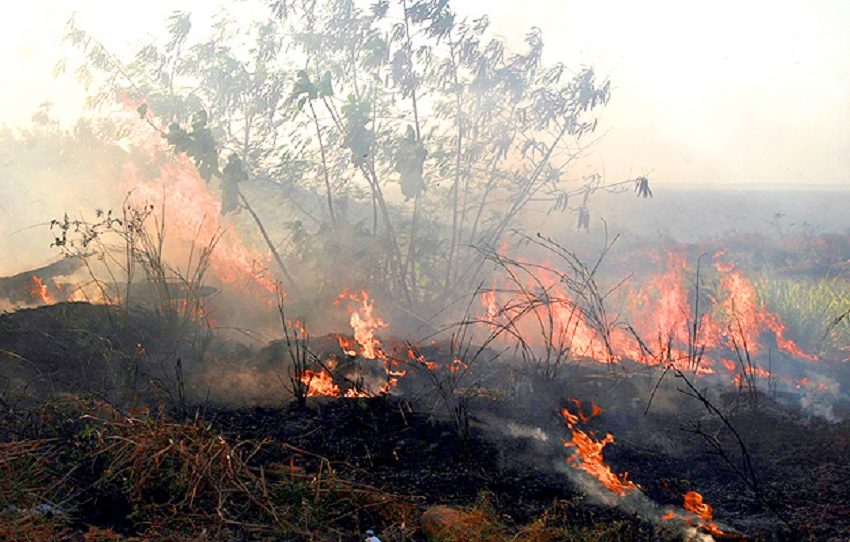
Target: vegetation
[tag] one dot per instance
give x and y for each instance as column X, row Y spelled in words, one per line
column 809, row 305
column 147, row 474
column 361, row 109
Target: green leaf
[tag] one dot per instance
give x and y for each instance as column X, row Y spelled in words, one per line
column 304, row 89
column 231, row 176
column 376, row 51
column 325, row 85
column 409, row 163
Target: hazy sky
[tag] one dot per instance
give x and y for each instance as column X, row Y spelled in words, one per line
column 721, row 91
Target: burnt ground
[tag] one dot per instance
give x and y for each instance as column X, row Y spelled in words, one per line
column 801, row 467
column 404, row 445
column 384, row 444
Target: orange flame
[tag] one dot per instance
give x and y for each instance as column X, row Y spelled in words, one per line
column 421, row 359
column 354, row 393
column 347, row 345
column 38, row 291
column 660, row 309
column 365, row 323
column 488, row 299
column 176, row 184
column 588, row 452
column 536, row 303
column 693, row 502
column 320, row 383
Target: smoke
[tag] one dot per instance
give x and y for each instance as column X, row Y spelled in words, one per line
column 516, row 430
column 819, row 392
column 45, row 173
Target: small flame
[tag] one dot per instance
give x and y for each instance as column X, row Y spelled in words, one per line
column 488, row 299
column 694, row 503
column 588, row 452
column 421, row 359
column 320, row 384
column 347, row 346
column 365, row 323
column 354, row 393
column 39, row 292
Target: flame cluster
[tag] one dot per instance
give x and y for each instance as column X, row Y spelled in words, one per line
column 588, row 458
column 365, row 323
column 193, row 214
column 661, row 311
column 320, row 384
column 365, row 345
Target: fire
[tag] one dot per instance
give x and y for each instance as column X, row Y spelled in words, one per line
column 320, row 384
column 354, row 393
column 347, row 345
column 588, row 452
column 588, row 457
column 693, row 502
column 524, row 312
column 805, row 383
column 661, row 310
column 421, row 359
column 696, row 506
column 193, row 209
column 365, row 344
column 488, row 299
column 364, row 323
column 178, row 186
column 38, row 291
column 746, row 318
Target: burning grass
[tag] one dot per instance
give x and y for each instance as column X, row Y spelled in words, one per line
column 808, row 305
column 376, row 460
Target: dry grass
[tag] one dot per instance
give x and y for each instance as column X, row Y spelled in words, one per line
column 179, row 481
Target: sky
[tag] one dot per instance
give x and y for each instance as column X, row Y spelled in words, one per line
column 742, row 92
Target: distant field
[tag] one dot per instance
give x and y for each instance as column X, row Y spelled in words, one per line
column 690, row 214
